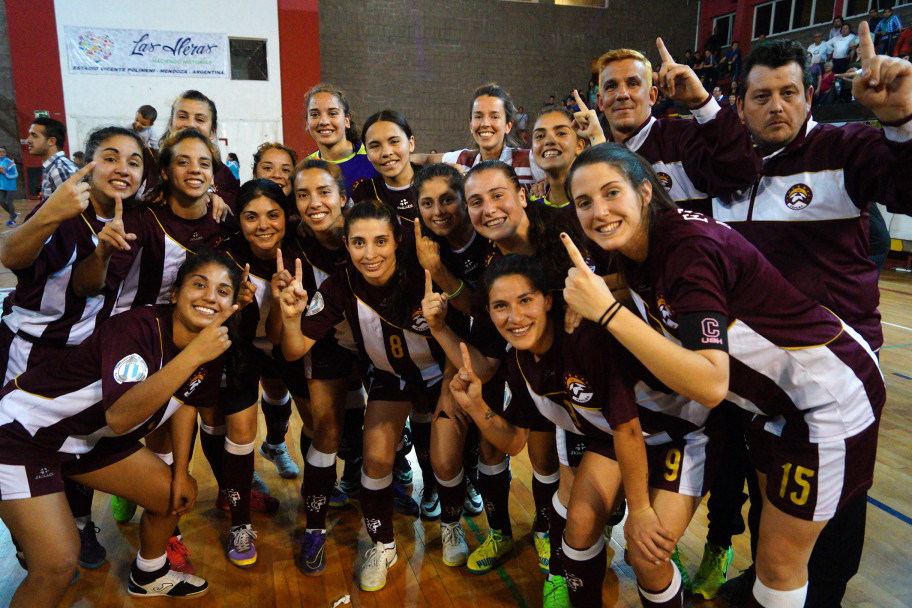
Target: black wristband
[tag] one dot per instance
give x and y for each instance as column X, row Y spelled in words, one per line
column 609, row 313
column 611, row 316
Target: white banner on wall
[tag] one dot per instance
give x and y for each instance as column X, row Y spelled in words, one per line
column 95, row 50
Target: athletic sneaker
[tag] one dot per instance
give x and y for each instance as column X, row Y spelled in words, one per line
column 486, row 557
column 713, row 570
column 259, row 502
column 738, row 590
column 402, row 472
column 258, row 485
column 313, row 555
column 556, row 594
column 11, row 223
column 123, row 509
column 404, row 503
column 616, row 517
column 543, row 548
column 455, row 549
column 678, row 560
column 337, row 498
column 284, row 463
column 91, row 553
column 430, row 504
column 241, row 551
column 171, row 584
column 377, row 562
column 473, row 505
column 179, row 556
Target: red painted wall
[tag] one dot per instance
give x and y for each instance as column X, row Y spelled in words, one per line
column 36, row 66
column 299, row 49
column 744, row 18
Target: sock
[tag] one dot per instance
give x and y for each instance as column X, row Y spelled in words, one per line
column 377, row 507
column 585, row 572
column 212, row 440
column 494, row 486
column 543, row 488
column 144, row 571
column 304, row 442
column 421, row 435
column 470, row 455
column 277, row 413
column 771, row 598
column 237, row 461
column 670, row 597
column 79, row 497
column 352, row 443
column 557, row 521
column 320, row 472
column 452, row 495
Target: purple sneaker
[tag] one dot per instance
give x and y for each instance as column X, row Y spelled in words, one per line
column 313, row 557
column 241, row 551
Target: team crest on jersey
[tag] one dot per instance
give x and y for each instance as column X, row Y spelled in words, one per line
column 665, row 179
column 578, row 389
column 316, row 305
column 665, row 311
column 131, row 368
column 798, row 197
column 419, row 323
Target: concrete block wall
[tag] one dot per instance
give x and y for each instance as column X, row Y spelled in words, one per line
column 425, row 57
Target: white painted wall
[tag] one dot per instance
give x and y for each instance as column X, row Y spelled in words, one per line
column 249, row 111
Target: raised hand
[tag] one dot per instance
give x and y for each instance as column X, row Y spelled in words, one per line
column 586, row 123
column 293, row 299
column 71, row 198
column 466, row 386
column 427, row 249
column 433, row 305
column 584, row 291
column 885, row 83
column 113, row 236
column 677, row 81
column 281, row 279
column 247, row 291
column 213, row 340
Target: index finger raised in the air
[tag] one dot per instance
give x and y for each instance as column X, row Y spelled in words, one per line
column 575, row 256
column 663, row 52
column 86, row 169
column 418, row 235
column 280, row 266
column 466, row 359
column 246, row 276
column 866, row 50
column 225, row 315
column 428, row 283
column 579, row 101
column 299, row 271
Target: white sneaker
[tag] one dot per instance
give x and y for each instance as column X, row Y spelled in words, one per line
column 173, row 584
column 377, row 561
column 455, row 549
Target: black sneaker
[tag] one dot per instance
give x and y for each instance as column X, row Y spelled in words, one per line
column 170, row 584
column 737, row 591
column 91, row 553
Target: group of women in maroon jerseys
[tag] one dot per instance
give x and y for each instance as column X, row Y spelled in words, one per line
column 595, row 324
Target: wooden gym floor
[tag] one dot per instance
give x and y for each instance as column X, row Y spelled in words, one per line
column 421, row 579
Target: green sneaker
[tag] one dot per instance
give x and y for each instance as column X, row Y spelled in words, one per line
column 556, row 594
column 713, row 571
column 678, row 560
column 123, row 509
column 486, row 557
column 542, row 542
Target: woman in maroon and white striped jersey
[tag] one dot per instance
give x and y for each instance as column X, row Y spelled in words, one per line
column 82, row 416
column 719, row 322
column 380, row 295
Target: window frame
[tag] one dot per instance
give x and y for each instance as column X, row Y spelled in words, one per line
column 776, row 4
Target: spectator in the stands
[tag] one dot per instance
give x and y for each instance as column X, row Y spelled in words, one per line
column 818, row 51
column 730, row 64
column 79, row 158
column 825, row 91
column 874, row 18
column 837, row 27
column 842, row 48
column 888, row 30
column 521, row 119
column 710, row 70
column 689, row 59
column 592, row 94
column 719, row 96
column 715, row 42
column 904, row 44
